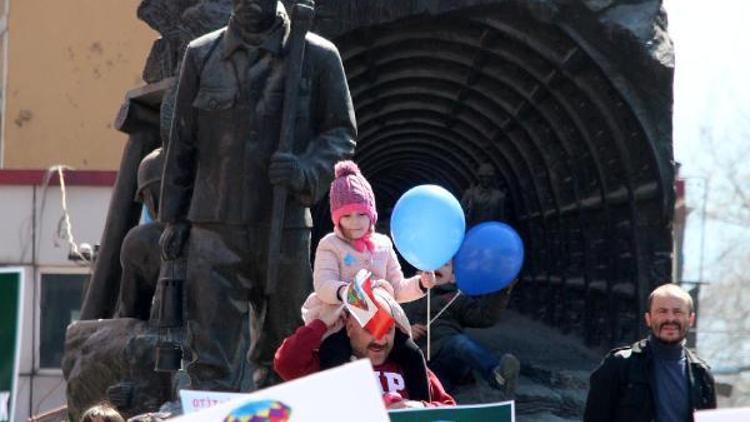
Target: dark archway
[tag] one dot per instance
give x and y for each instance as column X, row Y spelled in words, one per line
column 571, row 105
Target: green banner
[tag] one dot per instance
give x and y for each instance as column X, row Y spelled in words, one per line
column 495, row 412
column 10, row 338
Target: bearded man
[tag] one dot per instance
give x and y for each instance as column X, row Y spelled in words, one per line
column 657, row 378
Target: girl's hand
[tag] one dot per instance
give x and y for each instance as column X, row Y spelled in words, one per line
column 427, row 279
column 379, row 283
column 385, row 285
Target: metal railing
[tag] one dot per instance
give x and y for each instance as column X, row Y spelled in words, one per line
column 59, row 414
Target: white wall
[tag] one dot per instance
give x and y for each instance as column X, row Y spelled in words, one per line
column 87, row 207
column 40, row 391
column 16, row 209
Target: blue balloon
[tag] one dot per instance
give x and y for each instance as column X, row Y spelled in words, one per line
column 427, row 226
column 489, row 259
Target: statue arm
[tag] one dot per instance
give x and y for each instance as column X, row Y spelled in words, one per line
column 179, row 166
column 333, row 115
column 130, row 282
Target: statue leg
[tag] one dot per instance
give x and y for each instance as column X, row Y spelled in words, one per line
column 134, row 300
column 276, row 317
column 217, row 293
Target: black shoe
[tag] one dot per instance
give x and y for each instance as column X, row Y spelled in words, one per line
column 505, row 374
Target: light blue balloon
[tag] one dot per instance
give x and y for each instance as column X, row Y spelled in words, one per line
column 489, row 259
column 427, row 226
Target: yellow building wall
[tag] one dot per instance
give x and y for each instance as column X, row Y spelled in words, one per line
column 69, row 65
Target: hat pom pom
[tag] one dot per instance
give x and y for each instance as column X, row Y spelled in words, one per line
column 345, row 168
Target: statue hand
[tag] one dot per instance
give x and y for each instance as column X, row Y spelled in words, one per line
column 285, row 169
column 173, row 239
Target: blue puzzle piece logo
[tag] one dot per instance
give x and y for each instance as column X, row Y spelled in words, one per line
column 349, row 259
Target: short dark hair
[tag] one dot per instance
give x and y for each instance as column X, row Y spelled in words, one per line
column 673, row 289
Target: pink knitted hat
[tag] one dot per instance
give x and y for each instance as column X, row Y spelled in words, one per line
column 350, row 192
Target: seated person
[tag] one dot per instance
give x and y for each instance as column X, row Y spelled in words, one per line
column 454, row 353
column 403, row 384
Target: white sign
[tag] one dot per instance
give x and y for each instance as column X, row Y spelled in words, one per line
column 195, row 401
column 342, row 394
column 740, row 414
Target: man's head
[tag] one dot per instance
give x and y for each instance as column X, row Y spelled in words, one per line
column 254, row 15
column 670, row 313
column 364, row 344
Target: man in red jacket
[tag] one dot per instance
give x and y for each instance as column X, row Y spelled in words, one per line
column 391, row 357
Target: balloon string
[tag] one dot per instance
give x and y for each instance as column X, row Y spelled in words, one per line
column 458, row 293
column 429, row 291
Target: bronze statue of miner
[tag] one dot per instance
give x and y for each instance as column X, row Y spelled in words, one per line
column 218, row 179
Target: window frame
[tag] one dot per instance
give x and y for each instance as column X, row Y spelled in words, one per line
column 42, row 271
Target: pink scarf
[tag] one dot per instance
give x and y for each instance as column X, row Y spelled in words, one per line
column 363, row 243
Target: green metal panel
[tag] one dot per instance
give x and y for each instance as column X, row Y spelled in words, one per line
column 10, row 337
column 495, row 412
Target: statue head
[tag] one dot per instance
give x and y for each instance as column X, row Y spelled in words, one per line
column 254, row 15
column 207, row 16
column 486, row 175
column 149, row 180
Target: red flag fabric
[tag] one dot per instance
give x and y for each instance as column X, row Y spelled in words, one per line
column 361, row 303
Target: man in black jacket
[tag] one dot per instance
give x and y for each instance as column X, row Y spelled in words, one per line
column 657, row 378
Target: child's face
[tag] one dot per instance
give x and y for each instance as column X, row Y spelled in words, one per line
column 444, row 274
column 355, row 225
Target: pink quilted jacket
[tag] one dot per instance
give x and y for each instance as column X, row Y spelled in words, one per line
column 336, row 264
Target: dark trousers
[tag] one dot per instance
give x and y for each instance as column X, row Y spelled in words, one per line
column 458, row 356
column 226, row 275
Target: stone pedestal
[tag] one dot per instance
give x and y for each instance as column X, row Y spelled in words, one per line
column 113, row 360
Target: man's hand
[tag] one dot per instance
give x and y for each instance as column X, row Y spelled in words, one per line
column 406, row 404
column 173, row 239
column 418, row 331
column 331, row 319
column 286, row 170
column 427, row 279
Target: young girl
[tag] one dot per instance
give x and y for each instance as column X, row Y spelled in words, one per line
column 353, row 246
